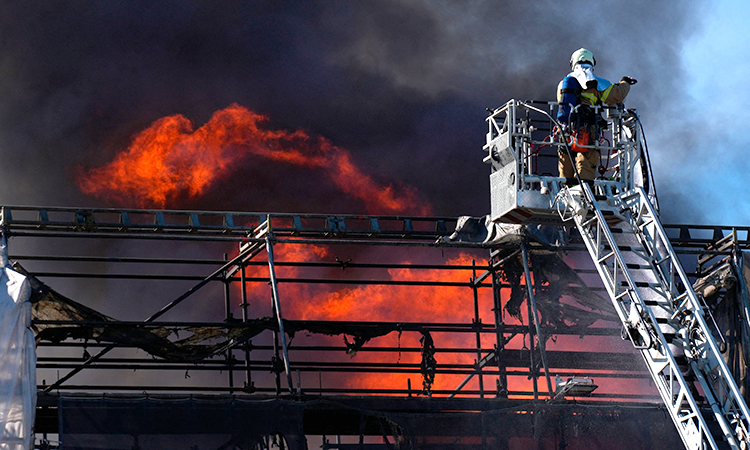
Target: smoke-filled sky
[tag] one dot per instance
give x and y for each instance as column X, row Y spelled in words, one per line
column 399, row 87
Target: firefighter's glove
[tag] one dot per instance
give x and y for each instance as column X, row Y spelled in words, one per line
column 629, row 80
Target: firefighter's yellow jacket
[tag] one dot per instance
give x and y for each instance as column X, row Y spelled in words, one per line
column 595, row 90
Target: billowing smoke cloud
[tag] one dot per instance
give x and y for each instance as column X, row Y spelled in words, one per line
column 401, row 85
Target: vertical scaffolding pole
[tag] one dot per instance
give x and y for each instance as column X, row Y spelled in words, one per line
column 244, row 305
column 276, row 356
column 533, row 317
column 228, row 316
column 227, row 303
column 532, row 358
column 277, row 311
column 477, row 322
column 497, row 309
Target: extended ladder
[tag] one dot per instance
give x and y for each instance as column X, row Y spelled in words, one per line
column 661, row 314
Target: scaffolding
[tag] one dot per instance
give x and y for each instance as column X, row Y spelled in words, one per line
column 234, row 283
column 155, row 327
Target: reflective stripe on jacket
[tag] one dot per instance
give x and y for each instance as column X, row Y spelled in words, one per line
column 602, row 90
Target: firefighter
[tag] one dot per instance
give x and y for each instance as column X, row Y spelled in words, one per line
column 575, row 93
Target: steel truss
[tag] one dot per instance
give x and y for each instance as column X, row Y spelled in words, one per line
column 617, row 218
column 654, row 298
column 494, row 354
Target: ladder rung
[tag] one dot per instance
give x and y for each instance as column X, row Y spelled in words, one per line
column 640, row 284
column 589, row 222
column 647, row 222
column 621, row 294
column 663, row 259
column 630, row 195
column 628, row 248
column 605, row 257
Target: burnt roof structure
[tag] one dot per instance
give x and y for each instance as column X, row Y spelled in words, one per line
column 221, row 327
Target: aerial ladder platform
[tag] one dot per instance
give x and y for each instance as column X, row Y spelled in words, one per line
column 617, row 218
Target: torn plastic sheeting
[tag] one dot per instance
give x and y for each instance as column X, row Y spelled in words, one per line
column 482, row 230
column 82, row 322
column 200, row 342
column 553, row 279
column 18, row 356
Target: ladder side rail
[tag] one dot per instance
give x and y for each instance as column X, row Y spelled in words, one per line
column 739, row 266
column 724, row 386
column 706, row 361
column 662, row 365
column 659, row 257
column 693, row 306
column 710, row 370
column 609, row 275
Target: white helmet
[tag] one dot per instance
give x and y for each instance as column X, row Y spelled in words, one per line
column 582, row 55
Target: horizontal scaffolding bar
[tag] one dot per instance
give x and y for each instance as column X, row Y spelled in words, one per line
column 110, row 222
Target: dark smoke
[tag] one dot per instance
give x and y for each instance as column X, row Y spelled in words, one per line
column 401, row 84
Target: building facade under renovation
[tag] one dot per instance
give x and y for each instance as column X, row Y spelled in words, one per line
column 567, row 318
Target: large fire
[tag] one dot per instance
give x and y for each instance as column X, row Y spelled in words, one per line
column 397, row 303
column 172, row 158
column 382, row 303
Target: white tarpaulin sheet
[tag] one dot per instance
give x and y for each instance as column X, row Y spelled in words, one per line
column 17, row 359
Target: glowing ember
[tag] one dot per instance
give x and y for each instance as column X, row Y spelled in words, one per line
column 171, row 158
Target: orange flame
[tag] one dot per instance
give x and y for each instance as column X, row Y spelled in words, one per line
column 172, row 158
column 430, row 304
column 394, row 303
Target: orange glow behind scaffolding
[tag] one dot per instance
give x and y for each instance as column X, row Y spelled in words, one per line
column 171, row 159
